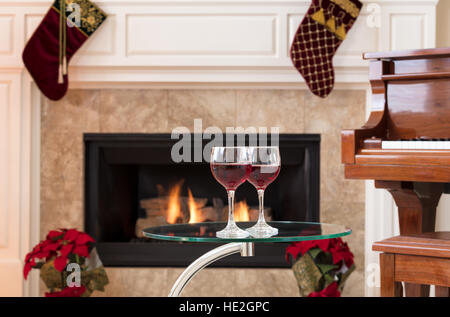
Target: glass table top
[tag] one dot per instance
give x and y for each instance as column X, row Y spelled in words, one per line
column 288, row 231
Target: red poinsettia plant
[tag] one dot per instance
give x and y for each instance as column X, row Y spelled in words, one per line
column 53, row 255
column 321, row 267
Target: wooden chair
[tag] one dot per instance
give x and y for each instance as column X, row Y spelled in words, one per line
column 417, row 259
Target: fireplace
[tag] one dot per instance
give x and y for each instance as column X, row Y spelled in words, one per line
column 131, row 180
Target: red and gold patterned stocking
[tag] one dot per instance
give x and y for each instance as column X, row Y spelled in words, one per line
column 318, row 36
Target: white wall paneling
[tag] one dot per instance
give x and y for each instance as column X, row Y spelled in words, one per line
column 402, row 23
column 177, row 43
column 7, row 26
column 202, row 35
column 10, row 182
column 226, row 35
column 5, row 95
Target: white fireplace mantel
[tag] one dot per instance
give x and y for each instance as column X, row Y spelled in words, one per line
column 207, row 41
column 173, row 43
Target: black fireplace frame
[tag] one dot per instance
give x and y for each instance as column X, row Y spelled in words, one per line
column 173, row 254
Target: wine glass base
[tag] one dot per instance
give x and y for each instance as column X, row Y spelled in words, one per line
column 262, row 230
column 231, row 232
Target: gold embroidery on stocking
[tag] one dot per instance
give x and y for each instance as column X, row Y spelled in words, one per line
column 341, row 33
column 331, row 24
column 91, row 15
column 319, row 16
column 348, row 6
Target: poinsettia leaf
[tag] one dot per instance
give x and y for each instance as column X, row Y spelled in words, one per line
column 328, row 279
column 84, row 238
column 71, row 235
column 81, row 250
column 65, row 249
column 314, row 252
column 325, row 268
column 55, row 235
column 60, row 263
column 38, row 265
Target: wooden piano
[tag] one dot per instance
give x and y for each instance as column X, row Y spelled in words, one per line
column 405, row 144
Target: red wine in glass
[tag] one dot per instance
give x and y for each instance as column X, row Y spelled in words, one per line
column 262, row 175
column 265, row 167
column 230, row 166
column 230, row 175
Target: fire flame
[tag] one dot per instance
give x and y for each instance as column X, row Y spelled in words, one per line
column 174, row 208
column 241, row 211
column 194, row 213
column 175, row 214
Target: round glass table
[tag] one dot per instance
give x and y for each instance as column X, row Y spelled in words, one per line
column 288, row 231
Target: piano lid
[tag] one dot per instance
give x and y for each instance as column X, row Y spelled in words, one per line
column 417, row 92
column 410, row 54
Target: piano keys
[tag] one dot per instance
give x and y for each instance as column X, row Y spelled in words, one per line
column 416, row 144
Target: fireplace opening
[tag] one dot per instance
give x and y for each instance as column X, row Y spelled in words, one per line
column 131, row 182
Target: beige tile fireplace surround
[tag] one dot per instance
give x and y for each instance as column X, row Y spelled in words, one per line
column 151, row 111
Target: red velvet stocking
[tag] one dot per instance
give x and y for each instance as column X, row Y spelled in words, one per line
column 49, row 50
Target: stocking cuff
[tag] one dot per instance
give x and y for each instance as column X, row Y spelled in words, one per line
column 351, row 7
column 336, row 15
column 91, row 16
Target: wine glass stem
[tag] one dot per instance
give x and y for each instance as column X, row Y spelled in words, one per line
column 261, row 206
column 230, row 207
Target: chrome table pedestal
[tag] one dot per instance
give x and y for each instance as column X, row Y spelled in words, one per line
column 244, row 248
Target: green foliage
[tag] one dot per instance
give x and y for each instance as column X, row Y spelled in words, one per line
column 328, row 279
column 315, row 252
column 325, row 268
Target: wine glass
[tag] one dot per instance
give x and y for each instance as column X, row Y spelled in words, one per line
column 264, row 169
column 230, row 166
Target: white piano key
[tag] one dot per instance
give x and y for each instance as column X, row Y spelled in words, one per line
column 388, row 145
column 435, row 145
column 408, row 145
column 415, row 145
column 420, row 144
